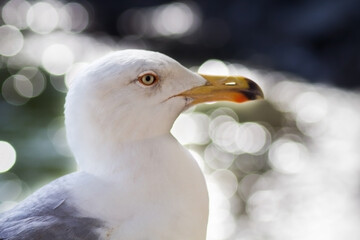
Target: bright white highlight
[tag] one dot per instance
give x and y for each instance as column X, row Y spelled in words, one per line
column 287, row 156
column 11, row 40
column 74, row 17
column 310, row 107
column 191, row 128
column 14, row 13
column 42, row 18
column 234, row 137
column 7, row 156
column 57, row 59
column 173, row 19
column 214, row 67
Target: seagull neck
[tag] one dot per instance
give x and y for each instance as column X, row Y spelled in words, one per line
column 123, row 159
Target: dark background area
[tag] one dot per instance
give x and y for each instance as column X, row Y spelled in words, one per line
column 318, row 40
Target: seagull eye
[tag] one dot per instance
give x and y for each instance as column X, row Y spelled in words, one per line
column 148, row 79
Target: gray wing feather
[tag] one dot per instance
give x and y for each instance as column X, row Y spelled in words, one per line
column 48, row 214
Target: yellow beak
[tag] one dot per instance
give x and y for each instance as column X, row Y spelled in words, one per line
column 224, row 88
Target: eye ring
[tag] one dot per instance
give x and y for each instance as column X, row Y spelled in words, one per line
column 148, row 79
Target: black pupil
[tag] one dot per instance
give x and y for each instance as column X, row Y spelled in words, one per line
column 148, row 78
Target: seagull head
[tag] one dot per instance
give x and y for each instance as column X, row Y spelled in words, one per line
column 134, row 95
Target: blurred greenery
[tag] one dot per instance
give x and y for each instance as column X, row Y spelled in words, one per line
column 26, row 127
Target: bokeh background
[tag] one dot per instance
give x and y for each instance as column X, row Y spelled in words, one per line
column 283, row 168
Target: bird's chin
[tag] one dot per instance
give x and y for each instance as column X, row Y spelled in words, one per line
column 183, row 102
column 188, row 103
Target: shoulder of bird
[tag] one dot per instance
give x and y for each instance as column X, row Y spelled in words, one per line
column 48, row 215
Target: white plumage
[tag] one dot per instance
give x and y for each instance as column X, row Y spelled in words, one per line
column 118, row 130
column 135, row 181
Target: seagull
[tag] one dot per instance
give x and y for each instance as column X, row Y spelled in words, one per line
column 134, row 180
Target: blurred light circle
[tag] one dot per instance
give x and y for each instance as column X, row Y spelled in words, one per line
column 57, row 59
column 241, row 70
column 7, row 156
column 184, row 129
column 264, row 206
column 227, row 181
column 191, row 128
column 174, row 19
column 73, row 17
column 23, row 58
column 58, row 82
column 224, row 111
column 42, row 18
column 345, row 123
column 36, row 78
column 14, row 13
column 284, row 93
column 169, row 20
column 11, row 40
column 214, row 67
column 252, row 138
column 310, row 107
column 221, row 131
column 23, row 86
column 217, row 121
column 10, row 189
column 10, row 92
column 287, row 156
column 217, row 159
column 223, row 136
